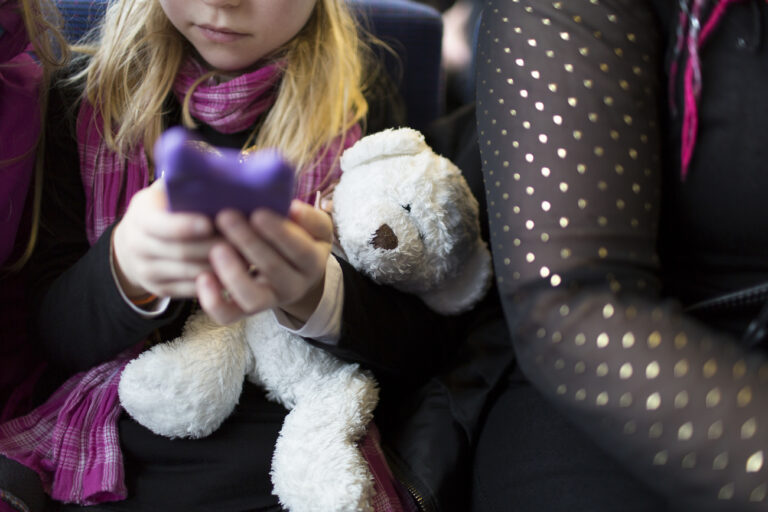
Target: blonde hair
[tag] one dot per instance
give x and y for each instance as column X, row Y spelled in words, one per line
column 133, row 66
column 42, row 21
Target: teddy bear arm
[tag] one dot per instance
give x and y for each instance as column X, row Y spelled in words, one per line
column 461, row 293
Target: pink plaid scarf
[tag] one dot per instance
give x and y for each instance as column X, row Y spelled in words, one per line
column 72, row 440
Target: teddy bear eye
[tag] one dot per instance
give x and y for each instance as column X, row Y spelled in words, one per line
column 407, row 208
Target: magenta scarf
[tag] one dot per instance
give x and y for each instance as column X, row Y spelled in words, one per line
column 111, row 180
column 71, row 441
column 691, row 35
column 13, row 33
column 20, row 79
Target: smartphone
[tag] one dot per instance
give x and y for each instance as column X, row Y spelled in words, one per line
column 206, row 179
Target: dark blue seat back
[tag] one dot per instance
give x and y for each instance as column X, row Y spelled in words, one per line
column 413, row 30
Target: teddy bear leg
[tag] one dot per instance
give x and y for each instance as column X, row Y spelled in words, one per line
column 317, row 465
column 187, row 387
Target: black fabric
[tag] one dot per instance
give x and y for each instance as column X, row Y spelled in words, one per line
column 432, row 433
column 598, row 244
column 401, row 354
column 547, row 464
column 23, row 483
column 227, row 471
column 712, row 236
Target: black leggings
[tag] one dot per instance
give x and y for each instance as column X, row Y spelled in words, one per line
column 531, row 458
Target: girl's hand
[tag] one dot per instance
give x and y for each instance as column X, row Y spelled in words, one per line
column 159, row 252
column 270, row 261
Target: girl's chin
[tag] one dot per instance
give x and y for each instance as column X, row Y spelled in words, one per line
column 228, row 69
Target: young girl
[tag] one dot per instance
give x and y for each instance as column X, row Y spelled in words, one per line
column 114, row 266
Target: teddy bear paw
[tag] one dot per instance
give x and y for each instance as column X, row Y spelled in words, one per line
column 186, row 387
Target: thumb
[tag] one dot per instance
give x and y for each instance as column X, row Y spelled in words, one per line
column 314, row 220
column 158, row 194
column 153, row 198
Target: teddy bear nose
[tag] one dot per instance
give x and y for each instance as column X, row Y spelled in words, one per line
column 384, row 238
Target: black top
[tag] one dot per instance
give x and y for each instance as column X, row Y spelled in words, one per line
column 598, row 244
column 83, row 321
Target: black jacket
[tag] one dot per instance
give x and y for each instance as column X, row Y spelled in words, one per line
column 430, row 433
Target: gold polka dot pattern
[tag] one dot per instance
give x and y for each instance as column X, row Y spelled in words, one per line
column 566, row 110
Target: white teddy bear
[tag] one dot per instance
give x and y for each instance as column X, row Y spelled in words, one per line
column 404, row 216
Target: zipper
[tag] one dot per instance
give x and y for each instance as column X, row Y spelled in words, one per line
column 417, row 497
column 747, row 297
column 405, row 477
column 757, row 330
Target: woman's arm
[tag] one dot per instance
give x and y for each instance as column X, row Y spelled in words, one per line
column 567, row 116
column 20, row 77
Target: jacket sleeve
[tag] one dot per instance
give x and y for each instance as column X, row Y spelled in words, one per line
column 391, row 332
column 567, row 120
column 80, row 318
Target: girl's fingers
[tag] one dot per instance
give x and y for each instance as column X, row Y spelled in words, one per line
column 153, row 247
column 214, row 300
column 153, row 217
column 251, row 293
column 275, row 270
column 287, row 263
column 176, row 226
column 242, row 236
column 177, row 289
column 169, row 278
column 191, row 251
column 271, row 260
column 167, row 271
column 305, row 246
column 315, row 221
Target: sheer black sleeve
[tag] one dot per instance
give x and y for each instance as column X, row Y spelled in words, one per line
column 567, row 119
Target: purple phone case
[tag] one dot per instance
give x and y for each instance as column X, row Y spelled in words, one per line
column 206, row 179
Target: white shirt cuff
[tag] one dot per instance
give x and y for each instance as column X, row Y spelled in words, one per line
column 325, row 322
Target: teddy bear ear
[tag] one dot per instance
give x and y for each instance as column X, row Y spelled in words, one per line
column 466, row 289
column 384, row 144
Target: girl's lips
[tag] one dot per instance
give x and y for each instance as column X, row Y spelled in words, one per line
column 219, row 35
